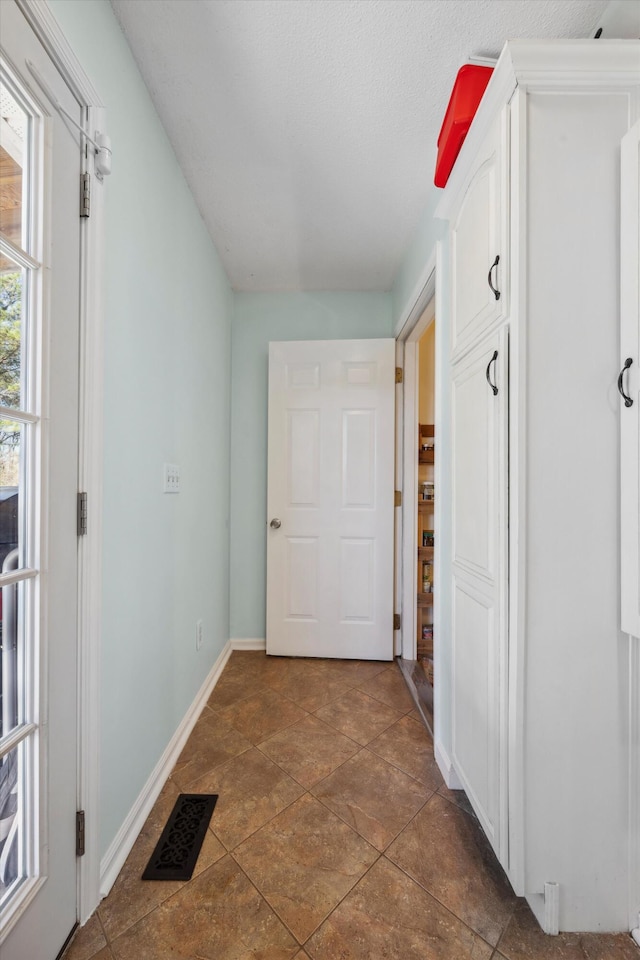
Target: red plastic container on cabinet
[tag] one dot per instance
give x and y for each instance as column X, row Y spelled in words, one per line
column 466, row 95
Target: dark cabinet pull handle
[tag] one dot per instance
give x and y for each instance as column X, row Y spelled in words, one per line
column 492, row 385
column 628, row 402
column 494, row 290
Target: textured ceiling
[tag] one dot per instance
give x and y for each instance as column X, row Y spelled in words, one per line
column 307, row 128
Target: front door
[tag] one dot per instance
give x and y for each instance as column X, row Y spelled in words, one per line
column 330, row 552
column 39, row 317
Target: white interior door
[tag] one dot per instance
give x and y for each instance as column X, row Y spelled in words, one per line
column 330, row 551
column 39, row 316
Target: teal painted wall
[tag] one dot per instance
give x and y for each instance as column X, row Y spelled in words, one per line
column 167, row 399
column 405, row 286
column 258, row 319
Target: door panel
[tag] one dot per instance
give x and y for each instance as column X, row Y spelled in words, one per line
column 302, row 578
column 476, row 701
column 330, row 478
column 630, row 382
column 358, row 458
column 39, row 902
column 477, row 237
column 357, row 576
column 479, row 589
column 477, row 416
column 303, row 455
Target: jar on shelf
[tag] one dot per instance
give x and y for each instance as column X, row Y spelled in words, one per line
column 428, row 538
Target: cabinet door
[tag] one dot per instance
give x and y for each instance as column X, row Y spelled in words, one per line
column 478, row 238
column 629, row 383
column 479, row 434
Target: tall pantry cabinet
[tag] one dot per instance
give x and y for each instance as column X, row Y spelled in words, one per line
column 539, row 689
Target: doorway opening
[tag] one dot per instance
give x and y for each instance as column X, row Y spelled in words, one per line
column 425, row 533
column 420, row 513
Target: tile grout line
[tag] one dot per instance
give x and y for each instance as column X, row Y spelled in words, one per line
column 336, row 814
column 266, row 899
column 393, row 762
column 440, row 903
column 504, row 930
column 301, row 944
column 429, row 892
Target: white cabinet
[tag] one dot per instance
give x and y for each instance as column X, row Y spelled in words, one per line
column 479, row 497
column 629, row 382
column 479, row 244
column 538, row 703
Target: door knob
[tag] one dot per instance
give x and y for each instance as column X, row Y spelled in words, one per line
column 275, row 524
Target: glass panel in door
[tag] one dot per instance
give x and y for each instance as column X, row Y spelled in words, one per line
column 19, row 482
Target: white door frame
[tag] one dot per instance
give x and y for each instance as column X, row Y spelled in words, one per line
column 410, row 328
column 46, row 28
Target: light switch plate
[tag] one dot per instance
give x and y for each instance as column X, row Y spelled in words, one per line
column 171, row 478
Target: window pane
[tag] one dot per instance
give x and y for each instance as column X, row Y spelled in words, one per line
column 12, row 656
column 11, row 333
column 12, row 869
column 14, row 127
column 11, row 489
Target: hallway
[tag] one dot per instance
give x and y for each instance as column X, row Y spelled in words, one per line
column 334, row 837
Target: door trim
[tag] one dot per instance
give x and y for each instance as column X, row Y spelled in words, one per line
column 46, row 28
column 408, row 332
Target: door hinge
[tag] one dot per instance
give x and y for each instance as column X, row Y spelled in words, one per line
column 80, row 833
column 399, row 378
column 397, row 621
column 82, row 514
column 397, row 498
column 85, row 194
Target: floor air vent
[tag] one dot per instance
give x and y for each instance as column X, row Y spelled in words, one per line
column 176, row 852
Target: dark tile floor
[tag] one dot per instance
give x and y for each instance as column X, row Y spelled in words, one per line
column 334, row 838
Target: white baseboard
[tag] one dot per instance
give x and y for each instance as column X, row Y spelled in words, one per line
column 119, row 850
column 248, row 644
column 446, row 767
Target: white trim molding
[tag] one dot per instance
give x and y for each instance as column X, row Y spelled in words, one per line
column 121, row 845
column 43, row 23
column 446, row 766
column 47, row 29
column 259, row 643
column 423, row 292
column 410, row 329
column 90, row 480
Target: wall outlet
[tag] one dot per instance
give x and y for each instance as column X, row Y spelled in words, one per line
column 171, row 478
column 199, row 633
